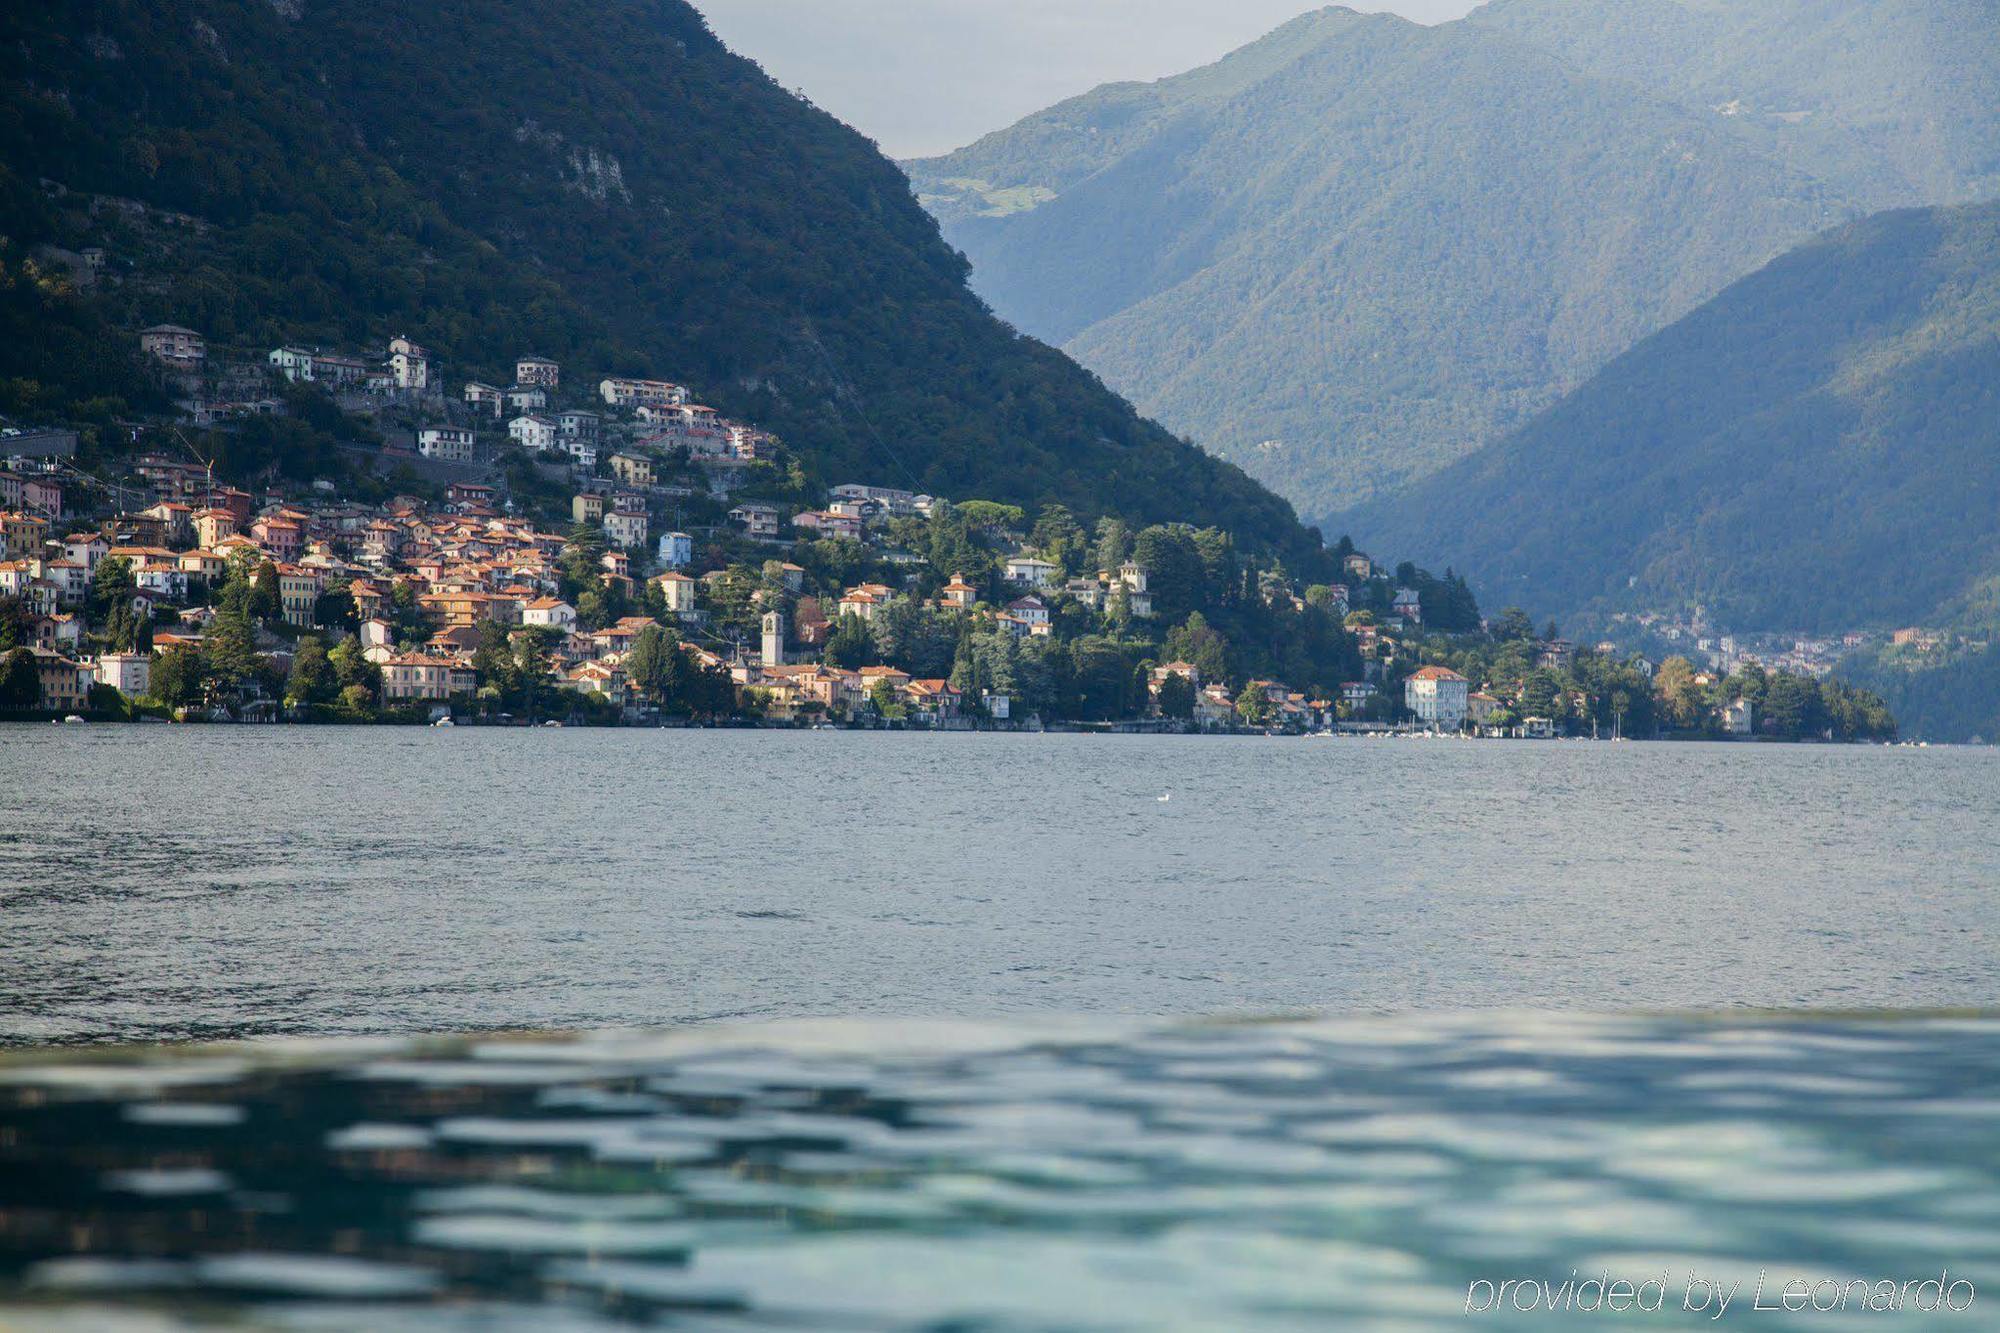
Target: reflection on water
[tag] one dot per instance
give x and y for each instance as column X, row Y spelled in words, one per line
column 1356, row 1173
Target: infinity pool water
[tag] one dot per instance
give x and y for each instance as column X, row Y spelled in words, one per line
column 1363, row 1173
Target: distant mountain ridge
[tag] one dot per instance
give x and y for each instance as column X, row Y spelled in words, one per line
column 1896, row 101
column 1360, row 249
column 1816, row 449
column 598, row 180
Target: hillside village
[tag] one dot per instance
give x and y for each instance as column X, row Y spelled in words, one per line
column 618, row 552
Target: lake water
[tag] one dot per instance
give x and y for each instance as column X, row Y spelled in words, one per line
column 169, row 883
column 936, row 1043
column 1058, row 1177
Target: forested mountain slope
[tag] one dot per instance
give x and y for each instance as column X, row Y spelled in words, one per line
column 1893, row 101
column 1360, row 249
column 598, row 180
column 1816, row 449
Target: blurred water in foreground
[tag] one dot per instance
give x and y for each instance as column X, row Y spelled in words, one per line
column 1359, row 1173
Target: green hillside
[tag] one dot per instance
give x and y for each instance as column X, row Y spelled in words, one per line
column 1360, row 249
column 1816, row 449
column 598, row 180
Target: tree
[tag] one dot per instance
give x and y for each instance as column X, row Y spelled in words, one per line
column 1198, row 644
column 21, row 684
column 266, row 600
column 915, row 638
column 658, row 668
column 883, row 695
column 1514, row 623
column 985, row 515
column 313, row 679
column 1791, row 707
column 1541, row 695
column 355, row 672
column 1059, row 537
column 178, row 676
column 1101, row 679
column 1176, row 698
column 1253, row 706
column 229, row 649
column 1114, row 543
column 1174, row 571
column 111, row 586
column 850, row 646
column 107, row 702
column 1681, row 704
column 334, row 609
column 17, row 627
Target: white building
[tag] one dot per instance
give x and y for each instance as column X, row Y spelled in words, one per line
column 625, row 531
column 337, row 368
column 537, row 370
column 527, row 398
column 549, row 612
column 1032, row 571
column 485, row 398
column 449, row 444
column 179, row 347
column 641, row 393
column 759, row 520
column 773, row 639
column 1440, row 697
column 131, row 674
column 533, row 432
column 409, row 365
column 679, row 591
column 1138, row 600
column 887, row 499
column 170, row 584
column 676, row 550
column 294, row 363
column 1030, row 610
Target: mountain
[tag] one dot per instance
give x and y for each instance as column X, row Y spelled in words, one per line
column 1360, row 249
column 1818, row 448
column 597, row 180
column 1896, row 101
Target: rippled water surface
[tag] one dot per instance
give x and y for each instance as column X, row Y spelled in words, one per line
column 1102, row 1175
column 214, row 882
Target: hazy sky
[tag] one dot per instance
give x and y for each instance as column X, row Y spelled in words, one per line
column 927, row 76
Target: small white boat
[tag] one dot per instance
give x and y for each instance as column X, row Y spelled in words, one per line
column 73, row 720
column 444, row 722
column 552, row 724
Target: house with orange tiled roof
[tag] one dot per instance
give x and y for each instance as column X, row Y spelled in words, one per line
column 937, row 700
column 678, row 590
column 958, row 595
column 422, row 678
column 605, row 681
column 861, row 602
column 872, row 675
column 1439, row 696
column 298, row 594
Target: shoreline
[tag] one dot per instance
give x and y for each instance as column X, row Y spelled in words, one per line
column 1106, row 729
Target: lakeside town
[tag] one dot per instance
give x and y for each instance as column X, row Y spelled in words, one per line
column 615, row 552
